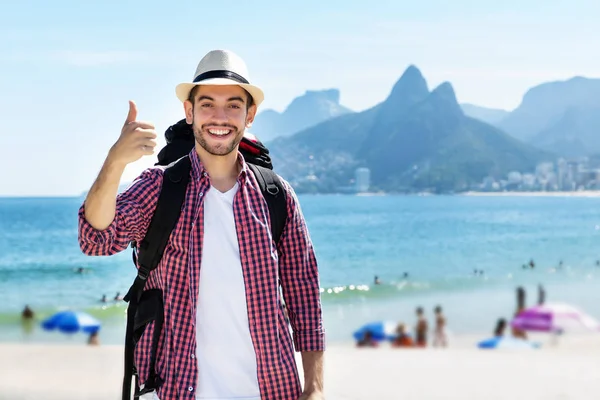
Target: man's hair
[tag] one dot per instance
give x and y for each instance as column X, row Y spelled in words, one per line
column 249, row 102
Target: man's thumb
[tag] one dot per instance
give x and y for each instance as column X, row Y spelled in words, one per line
column 132, row 114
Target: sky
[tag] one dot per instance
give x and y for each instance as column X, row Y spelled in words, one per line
column 70, row 67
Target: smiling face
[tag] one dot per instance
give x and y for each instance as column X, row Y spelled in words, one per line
column 219, row 116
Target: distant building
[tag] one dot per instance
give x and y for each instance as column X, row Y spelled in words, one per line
column 514, row 180
column 528, row 181
column 562, row 174
column 362, row 180
column 488, row 184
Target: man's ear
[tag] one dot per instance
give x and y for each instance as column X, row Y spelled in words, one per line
column 250, row 116
column 189, row 111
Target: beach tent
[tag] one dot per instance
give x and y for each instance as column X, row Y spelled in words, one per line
column 381, row 330
column 72, row 322
column 555, row 318
column 507, row 343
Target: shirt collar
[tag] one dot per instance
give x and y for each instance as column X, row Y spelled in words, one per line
column 199, row 171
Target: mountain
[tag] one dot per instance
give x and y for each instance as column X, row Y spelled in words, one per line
column 545, row 105
column 490, row 115
column 576, row 133
column 307, row 110
column 413, row 140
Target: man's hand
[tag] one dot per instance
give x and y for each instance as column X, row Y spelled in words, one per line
column 136, row 140
column 316, row 395
column 312, row 361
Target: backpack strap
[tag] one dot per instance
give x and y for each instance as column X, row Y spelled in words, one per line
column 274, row 193
column 147, row 256
column 166, row 215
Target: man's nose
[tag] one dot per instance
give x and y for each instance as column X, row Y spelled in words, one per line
column 220, row 114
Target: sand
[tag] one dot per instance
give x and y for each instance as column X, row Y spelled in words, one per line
column 570, row 370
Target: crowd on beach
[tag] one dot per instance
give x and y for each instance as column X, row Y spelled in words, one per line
column 421, row 333
column 420, row 338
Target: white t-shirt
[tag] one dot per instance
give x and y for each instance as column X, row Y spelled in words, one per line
column 226, row 358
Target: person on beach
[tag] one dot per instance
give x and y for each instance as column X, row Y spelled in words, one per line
column 541, row 295
column 500, row 328
column 27, row 313
column 402, row 339
column 224, row 334
column 440, row 337
column 421, row 329
column 93, row 340
column 367, row 340
column 27, row 320
column 516, row 332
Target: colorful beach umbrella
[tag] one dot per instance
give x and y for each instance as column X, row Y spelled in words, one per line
column 554, row 317
column 381, row 330
column 72, row 322
column 507, row 343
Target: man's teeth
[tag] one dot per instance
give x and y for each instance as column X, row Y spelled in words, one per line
column 219, row 131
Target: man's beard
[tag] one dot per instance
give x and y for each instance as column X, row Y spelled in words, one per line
column 222, row 150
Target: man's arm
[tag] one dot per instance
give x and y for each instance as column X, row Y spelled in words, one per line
column 101, row 201
column 301, row 291
column 130, row 215
column 107, row 222
column 312, row 362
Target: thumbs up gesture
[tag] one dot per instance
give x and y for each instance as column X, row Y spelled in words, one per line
column 137, row 139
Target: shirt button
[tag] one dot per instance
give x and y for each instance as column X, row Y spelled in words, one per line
column 201, row 194
column 190, row 389
column 193, row 356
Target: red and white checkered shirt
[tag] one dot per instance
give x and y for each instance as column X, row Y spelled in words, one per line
column 263, row 263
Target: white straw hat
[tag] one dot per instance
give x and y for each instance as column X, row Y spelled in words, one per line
column 221, row 67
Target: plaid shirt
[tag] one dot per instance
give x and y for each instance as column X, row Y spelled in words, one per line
column 293, row 261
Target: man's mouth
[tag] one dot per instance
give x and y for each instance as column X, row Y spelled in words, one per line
column 219, row 132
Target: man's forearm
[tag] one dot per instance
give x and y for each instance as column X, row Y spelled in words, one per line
column 312, row 362
column 100, row 203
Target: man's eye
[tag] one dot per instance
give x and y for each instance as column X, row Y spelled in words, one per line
column 235, row 106
column 205, row 105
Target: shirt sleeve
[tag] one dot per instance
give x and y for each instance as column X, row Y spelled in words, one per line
column 134, row 209
column 300, row 279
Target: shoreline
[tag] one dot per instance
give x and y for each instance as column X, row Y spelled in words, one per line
column 582, row 193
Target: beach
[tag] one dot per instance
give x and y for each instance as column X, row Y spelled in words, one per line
column 569, row 370
column 465, row 253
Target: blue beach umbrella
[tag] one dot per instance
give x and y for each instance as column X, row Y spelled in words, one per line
column 381, row 330
column 71, row 322
column 507, row 343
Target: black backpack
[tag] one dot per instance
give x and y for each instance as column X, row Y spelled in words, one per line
column 147, row 306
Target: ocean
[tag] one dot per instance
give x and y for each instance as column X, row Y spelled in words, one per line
column 465, row 253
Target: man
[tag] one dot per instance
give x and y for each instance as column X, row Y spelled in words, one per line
column 422, row 328
column 225, row 335
column 440, row 336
